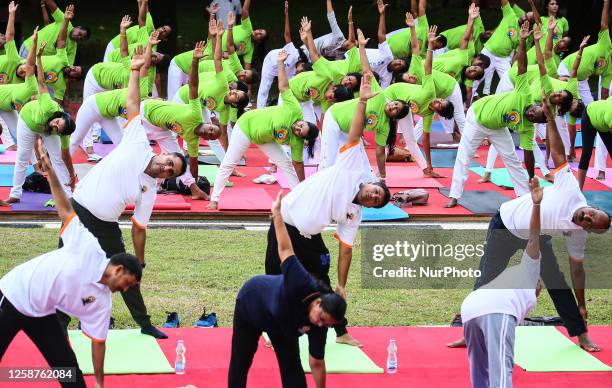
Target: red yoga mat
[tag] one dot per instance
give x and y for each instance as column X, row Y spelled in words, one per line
column 409, row 176
column 245, row 199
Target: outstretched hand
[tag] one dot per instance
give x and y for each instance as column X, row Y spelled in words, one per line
column 350, row 14
column 432, row 34
column 220, row 29
column 154, row 38
column 474, row 11
column 306, row 24
column 41, row 49
column 198, row 50
column 585, row 42
column 552, row 23
column 361, row 39
column 35, row 35
column 537, row 192
column 138, row 58
column 276, row 205
column 525, row 33
column 212, row 27
column 44, row 162
column 365, row 90
column 12, row 8
column 125, row 22
column 381, row 6
column 546, row 106
column 409, row 20
column 537, row 32
column 69, row 14
column 282, row 56
column 214, row 8
column 286, row 8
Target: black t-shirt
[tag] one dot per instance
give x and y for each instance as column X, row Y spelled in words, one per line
column 277, row 304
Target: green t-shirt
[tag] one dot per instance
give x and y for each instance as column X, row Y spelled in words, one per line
column 111, row 75
column 312, row 85
column 506, row 110
column 37, row 113
column 505, row 38
column 550, row 84
column 133, row 35
column 532, row 74
column 205, row 79
column 212, row 95
column 454, row 35
column 532, row 59
column 232, row 63
column 444, row 84
column 50, row 34
column 9, row 63
column 274, row 125
column 183, row 61
column 243, row 42
column 182, row 119
column 399, row 43
column 376, row 118
column 112, row 103
column 338, row 69
column 143, row 40
column 595, row 58
column 53, row 67
column 14, row 96
column 452, row 62
column 600, row 113
column 419, row 97
column 561, row 28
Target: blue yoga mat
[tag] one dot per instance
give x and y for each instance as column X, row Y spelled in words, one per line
column 600, row 199
column 387, row 213
column 446, row 159
column 6, row 174
column 2, row 148
column 578, row 141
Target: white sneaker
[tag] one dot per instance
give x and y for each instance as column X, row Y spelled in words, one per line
column 94, row 158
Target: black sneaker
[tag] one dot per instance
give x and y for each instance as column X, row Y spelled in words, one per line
column 173, row 321
column 456, row 322
column 153, row 332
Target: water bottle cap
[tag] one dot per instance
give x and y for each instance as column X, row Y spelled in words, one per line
column 392, row 341
column 180, row 341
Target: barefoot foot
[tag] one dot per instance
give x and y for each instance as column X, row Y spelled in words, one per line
column 460, row 343
column 451, row 203
column 348, row 340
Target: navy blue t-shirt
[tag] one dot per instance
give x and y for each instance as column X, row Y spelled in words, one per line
column 277, row 304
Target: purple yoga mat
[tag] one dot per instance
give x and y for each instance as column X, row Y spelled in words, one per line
column 521, row 155
column 103, row 149
column 33, row 202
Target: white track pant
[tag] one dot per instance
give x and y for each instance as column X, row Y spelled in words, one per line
column 238, row 146
column 332, row 139
column 267, row 78
column 458, row 116
column 88, row 114
column 473, row 134
column 91, row 87
column 9, row 123
column 406, row 127
column 107, row 52
column 310, row 115
column 176, row 78
column 26, row 139
column 501, row 65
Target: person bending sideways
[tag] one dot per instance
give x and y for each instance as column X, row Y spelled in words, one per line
column 285, row 306
column 491, row 313
column 77, row 278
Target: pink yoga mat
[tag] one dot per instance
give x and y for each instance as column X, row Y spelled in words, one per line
column 103, row 149
column 409, row 176
column 592, row 173
column 245, row 199
column 167, row 202
column 282, row 181
column 8, row 157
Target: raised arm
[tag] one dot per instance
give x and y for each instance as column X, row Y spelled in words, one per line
column 62, row 203
column 351, row 28
column 198, row 53
column 537, row 35
column 533, row 244
column 287, row 28
column 132, row 103
column 153, row 40
column 536, row 14
column 40, row 74
column 10, row 24
column 548, row 50
column 583, row 44
column 306, row 36
column 285, row 249
column 229, row 44
column 283, row 81
column 51, row 5
column 414, row 41
column 218, row 53
column 31, row 59
column 414, row 9
column 245, row 9
column 422, row 7
column 431, row 37
column 473, row 14
column 358, row 123
column 557, row 150
column 123, row 41
column 605, row 15
column 522, row 55
column 382, row 27
column 214, row 8
column 68, row 15
column 363, row 57
column 333, row 23
column 143, row 8
column 45, row 13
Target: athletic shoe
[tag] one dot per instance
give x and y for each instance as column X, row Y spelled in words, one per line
column 207, row 320
column 153, row 332
column 50, row 203
column 456, row 322
column 173, row 321
column 94, row 158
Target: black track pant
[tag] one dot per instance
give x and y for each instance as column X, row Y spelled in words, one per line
column 110, row 239
column 588, row 140
column 311, row 252
column 45, row 332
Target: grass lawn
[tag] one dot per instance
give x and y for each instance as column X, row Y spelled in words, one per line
column 189, row 269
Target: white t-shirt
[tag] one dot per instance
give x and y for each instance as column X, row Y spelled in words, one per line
column 65, row 279
column 271, row 63
column 329, row 45
column 379, row 59
column 119, row 179
column 512, row 292
column 327, row 197
column 560, row 202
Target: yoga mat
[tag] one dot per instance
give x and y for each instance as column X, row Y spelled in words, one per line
column 409, row 176
column 386, row 213
column 578, row 141
column 501, row 177
column 246, row 199
column 103, row 149
column 600, row 199
column 6, row 174
column 167, row 202
column 33, row 202
column 340, row 358
column 104, row 138
column 8, row 157
column 592, row 173
column 545, row 349
column 212, row 159
column 82, row 169
column 479, row 201
column 2, row 148
column 210, row 172
column 127, row 352
column 282, row 181
column 446, row 159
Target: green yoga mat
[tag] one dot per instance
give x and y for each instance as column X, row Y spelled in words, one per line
column 545, row 349
column 210, row 172
column 500, row 177
column 127, row 352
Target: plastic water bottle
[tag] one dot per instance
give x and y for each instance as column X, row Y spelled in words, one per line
column 392, row 357
column 179, row 364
